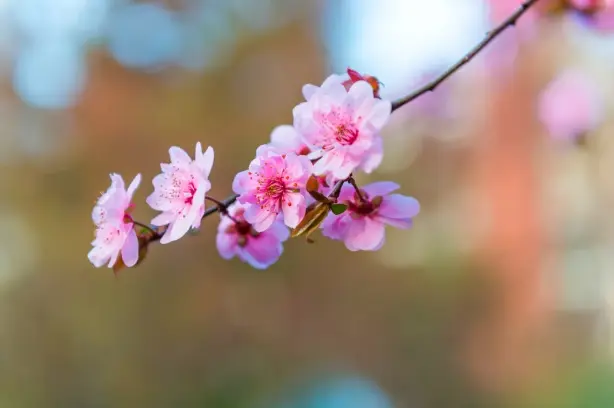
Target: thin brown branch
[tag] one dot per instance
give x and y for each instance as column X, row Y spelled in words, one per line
column 358, row 192
column 144, row 226
column 222, row 207
column 490, row 36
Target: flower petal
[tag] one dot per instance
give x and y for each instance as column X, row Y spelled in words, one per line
column 226, row 244
column 134, row 185
column 179, row 156
column 398, row 206
column 365, row 234
column 294, row 209
column 380, row 188
column 130, row 250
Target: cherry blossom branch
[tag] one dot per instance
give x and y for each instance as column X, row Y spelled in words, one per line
column 490, row 36
column 221, row 206
column 431, row 86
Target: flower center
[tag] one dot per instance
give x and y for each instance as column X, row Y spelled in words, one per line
column 189, row 195
column 364, row 207
column 345, row 135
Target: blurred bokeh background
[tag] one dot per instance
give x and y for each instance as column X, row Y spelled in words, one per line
column 502, row 295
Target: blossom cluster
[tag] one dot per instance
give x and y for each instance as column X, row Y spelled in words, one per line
column 302, row 180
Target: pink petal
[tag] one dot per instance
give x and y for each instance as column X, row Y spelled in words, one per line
column 335, row 226
column 179, row 156
column 262, row 251
column 130, row 250
column 294, row 209
column 260, row 219
column 240, row 182
column 279, row 231
column 297, row 168
column 380, row 188
column 365, row 234
column 226, row 244
column 399, row 207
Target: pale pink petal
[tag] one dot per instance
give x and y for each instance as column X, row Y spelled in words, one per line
column 130, row 250
column 329, row 162
column 374, row 157
column 294, row 209
column 378, row 114
column 206, row 161
column 117, row 182
column 226, row 244
column 380, row 188
column 309, row 90
column 179, row 156
column 285, row 138
column 344, row 170
column 113, row 258
column 163, row 219
column 360, row 91
column 134, row 185
column 364, row 234
column 332, row 80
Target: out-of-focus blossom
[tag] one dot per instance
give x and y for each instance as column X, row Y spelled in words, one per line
column 596, row 14
column 240, row 239
column 570, row 106
column 273, row 184
column 179, row 191
column 114, row 225
column 343, row 126
column 362, row 225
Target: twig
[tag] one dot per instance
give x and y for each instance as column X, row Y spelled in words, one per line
column 491, row 35
column 147, row 227
column 358, row 192
column 222, row 207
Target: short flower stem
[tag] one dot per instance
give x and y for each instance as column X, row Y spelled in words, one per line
column 358, row 192
column 222, row 208
column 145, row 226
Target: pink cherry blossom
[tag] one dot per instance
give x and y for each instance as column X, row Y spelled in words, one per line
column 114, row 226
column 596, row 14
column 361, row 226
column 273, row 184
column 285, row 139
column 570, row 106
column 343, row 126
column 180, row 192
column 259, row 249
